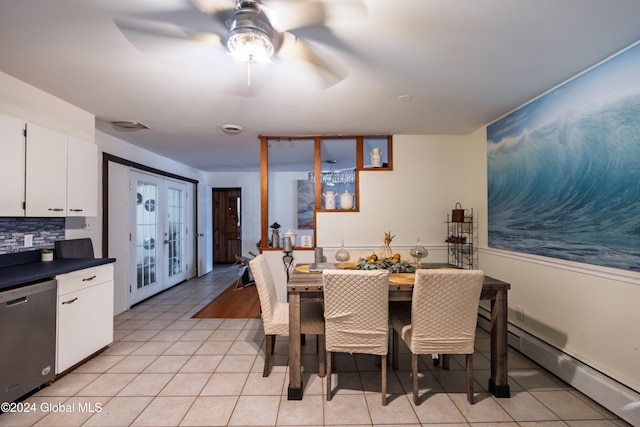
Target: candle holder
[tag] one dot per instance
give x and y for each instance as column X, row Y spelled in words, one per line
column 287, row 259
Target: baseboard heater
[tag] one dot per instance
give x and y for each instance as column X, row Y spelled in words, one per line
column 614, row 396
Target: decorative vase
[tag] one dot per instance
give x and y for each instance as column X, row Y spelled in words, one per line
column 275, row 239
column 376, row 158
column 329, row 199
column 342, row 254
column 418, row 252
column 346, row 200
column 385, row 252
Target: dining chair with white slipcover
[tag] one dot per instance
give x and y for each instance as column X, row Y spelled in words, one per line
column 442, row 319
column 356, row 313
column 275, row 314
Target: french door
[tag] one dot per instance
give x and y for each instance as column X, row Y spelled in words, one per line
column 158, row 235
column 175, row 233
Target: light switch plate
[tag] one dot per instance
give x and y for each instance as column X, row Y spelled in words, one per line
column 28, row 240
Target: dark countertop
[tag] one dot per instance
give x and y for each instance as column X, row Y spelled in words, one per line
column 15, row 276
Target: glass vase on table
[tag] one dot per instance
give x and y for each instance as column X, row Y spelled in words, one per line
column 342, row 255
column 418, row 252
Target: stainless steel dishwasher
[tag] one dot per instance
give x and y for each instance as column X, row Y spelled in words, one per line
column 27, row 339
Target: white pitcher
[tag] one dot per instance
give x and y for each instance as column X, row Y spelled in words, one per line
column 329, row 200
column 346, row 200
column 376, row 158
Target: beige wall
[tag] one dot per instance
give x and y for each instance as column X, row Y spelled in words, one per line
column 412, row 201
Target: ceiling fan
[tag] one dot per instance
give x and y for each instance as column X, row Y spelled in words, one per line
column 262, row 31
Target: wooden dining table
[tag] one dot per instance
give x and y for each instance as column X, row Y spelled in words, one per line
column 306, row 286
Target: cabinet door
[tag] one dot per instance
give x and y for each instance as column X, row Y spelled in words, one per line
column 85, row 324
column 82, row 178
column 46, row 172
column 12, row 170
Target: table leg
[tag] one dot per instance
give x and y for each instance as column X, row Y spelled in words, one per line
column 295, row 380
column 499, row 381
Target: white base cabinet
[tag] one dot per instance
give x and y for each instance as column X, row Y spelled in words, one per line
column 85, row 314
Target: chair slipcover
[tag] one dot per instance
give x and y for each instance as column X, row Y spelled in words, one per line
column 275, row 314
column 356, row 315
column 443, row 316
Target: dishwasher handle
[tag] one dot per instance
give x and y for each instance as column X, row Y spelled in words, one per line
column 17, row 301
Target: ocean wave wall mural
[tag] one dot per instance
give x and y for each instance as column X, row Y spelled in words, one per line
column 564, row 170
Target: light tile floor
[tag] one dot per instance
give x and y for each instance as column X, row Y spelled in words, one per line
column 167, row 369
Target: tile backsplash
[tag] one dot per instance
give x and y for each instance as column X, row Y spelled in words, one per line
column 45, row 232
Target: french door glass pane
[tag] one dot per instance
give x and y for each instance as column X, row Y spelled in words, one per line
column 175, row 234
column 147, row 239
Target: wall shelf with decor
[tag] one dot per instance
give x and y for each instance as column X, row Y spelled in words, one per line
column 305, row 174
column 376, row 153
column 460, row 240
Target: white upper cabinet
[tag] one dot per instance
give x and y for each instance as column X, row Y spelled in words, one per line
column 12, row 169
column 82, row 178
column 46, row 172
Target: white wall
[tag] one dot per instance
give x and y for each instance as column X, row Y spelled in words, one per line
column 26, row 102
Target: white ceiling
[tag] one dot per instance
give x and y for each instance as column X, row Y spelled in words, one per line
column 463, row 62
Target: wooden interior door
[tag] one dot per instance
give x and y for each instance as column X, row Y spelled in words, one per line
column 227, row 238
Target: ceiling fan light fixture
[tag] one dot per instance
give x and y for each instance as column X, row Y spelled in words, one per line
column 251, row 37
column 250, row 46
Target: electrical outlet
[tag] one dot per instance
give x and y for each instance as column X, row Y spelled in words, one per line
column 519, row 312
column 28, row 240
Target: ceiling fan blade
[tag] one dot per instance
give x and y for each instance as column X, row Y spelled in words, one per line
column 148, row 35
column 291, row 15
column 219, row 9
column 330, row 71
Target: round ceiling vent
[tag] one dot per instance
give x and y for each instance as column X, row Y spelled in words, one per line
column 231, row 129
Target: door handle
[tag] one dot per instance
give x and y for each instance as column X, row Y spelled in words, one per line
column 70, row 301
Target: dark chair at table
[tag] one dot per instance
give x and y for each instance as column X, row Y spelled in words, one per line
column 74, row 248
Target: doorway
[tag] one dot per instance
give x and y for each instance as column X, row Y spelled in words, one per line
column 158, row 235
column 227, row 224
